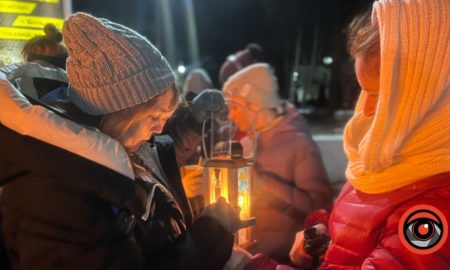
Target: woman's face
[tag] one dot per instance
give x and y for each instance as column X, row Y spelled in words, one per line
column 240, row 115
column 367, row 69
column 148, row 122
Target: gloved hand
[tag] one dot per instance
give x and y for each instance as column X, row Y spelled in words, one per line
column 210, row 100
column 227, row 216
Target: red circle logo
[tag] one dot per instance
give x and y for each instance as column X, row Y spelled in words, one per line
column 423, row 229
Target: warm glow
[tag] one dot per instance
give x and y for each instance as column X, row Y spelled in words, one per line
column 244, row 199
column 220, row 185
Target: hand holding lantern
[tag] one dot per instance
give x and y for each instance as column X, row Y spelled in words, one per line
column 227, row 215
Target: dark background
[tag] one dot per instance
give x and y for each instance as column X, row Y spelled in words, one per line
column 224, row 27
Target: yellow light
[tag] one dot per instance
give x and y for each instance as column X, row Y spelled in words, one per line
column 17, row 7
column 37, row 21
column 19, row 33
column 218, row 186
column 241, row 201
column 232, row 181
column 48, row 1
column 244, row 202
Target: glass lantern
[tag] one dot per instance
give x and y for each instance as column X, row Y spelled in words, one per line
column 228, row 173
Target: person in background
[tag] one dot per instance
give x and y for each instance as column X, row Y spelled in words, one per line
column 46, row 50
column 185, row 128
column 76, row 194
column 42, row 75
column 290, row 177
column 196, row 81
column 397, row 144
column 177, row 146
column 252, row 53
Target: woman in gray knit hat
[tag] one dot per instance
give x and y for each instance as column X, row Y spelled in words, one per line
column 81, row 198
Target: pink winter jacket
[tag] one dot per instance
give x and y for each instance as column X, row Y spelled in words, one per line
column 294, row 182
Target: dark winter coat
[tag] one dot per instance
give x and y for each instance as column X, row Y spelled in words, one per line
column 61, row 210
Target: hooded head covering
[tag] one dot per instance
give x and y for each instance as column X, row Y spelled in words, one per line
column 235, row 62
column 407, row 138
column 256, row 84
column 111, row 67
column 197, row 81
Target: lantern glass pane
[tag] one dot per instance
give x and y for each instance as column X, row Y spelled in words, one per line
column 218, row 184
column 244, row 202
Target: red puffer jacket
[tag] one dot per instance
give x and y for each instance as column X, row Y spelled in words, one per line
column 364, row 227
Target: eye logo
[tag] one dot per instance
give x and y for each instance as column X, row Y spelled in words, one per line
column 423, row 229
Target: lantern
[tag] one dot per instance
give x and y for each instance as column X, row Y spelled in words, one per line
column 228, row 174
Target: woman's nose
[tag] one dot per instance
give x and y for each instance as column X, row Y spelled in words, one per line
column 156, row 129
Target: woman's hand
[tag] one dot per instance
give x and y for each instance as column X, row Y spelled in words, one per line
column 193, row 181
column 227, row 215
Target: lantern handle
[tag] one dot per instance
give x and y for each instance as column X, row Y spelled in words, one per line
column 205, row 153
column 244, row 223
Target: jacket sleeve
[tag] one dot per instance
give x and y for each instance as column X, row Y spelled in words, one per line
column 390, row 253
column 318, row 216
column 263, row 262
column 206, row 245
column 311, row 180
column 4, row 261
column 311, row 189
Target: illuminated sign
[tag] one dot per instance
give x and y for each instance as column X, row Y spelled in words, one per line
column 23, row 20
column 37, row 22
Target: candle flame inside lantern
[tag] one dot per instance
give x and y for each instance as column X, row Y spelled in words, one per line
column 221, row 185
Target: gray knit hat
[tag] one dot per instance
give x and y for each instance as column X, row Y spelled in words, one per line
column 111, row 67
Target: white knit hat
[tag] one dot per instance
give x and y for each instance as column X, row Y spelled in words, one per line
column 256, row 84
column 111, row 67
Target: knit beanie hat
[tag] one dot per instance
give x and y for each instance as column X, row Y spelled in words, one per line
column 256, row 84
column 250, row 55
column 111, row 67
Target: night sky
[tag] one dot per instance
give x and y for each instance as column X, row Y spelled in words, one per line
column 223, row 27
